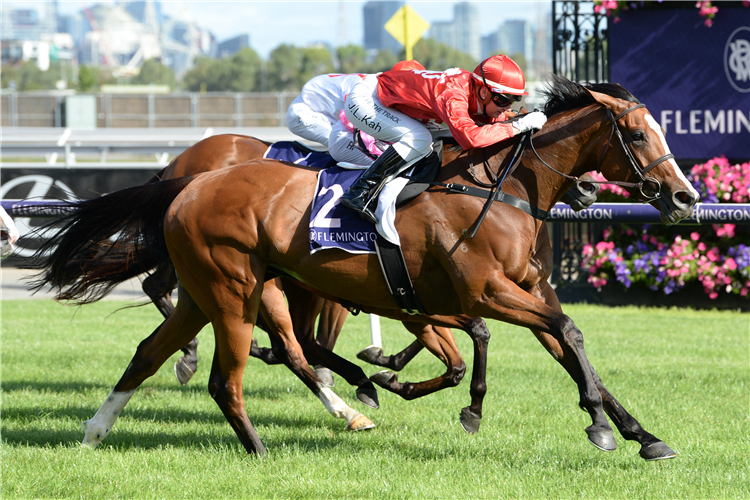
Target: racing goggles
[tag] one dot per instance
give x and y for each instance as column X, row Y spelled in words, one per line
column 502, row 100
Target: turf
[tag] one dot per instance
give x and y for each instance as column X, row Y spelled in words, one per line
column 684, row 374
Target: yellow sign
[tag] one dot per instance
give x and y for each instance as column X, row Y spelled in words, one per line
column 407, row 27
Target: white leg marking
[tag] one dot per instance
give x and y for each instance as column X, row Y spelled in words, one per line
column 355, row 421
column 99, row 426
column 335, row 405
column 657, row 130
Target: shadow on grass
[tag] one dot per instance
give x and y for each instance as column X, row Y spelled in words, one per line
column 252, row 393
column 19, row 428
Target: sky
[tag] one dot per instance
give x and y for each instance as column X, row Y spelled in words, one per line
column 271, row 23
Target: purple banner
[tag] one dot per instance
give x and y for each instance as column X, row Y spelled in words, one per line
column 694, row 79
column 703, row 213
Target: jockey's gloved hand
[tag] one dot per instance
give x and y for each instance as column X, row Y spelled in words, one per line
column 532, row 121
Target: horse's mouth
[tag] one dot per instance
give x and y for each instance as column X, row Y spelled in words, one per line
column 672, row 215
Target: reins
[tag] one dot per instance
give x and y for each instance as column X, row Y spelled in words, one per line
column 495, row 191
column 615, row 131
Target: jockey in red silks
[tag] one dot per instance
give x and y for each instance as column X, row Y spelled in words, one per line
column 411, row 108
column 315, row 115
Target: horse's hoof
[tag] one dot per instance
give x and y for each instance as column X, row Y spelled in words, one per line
column 656, row 451
column 370, row 354
column 604, row 440
column 325, row 375
column 360, row 423
column 183, row 372
column 384, row 378
column 368, row 395
column 469, row 421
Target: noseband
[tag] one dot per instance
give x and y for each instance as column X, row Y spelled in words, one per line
column 640, row 172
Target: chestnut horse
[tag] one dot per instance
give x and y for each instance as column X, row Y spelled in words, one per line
column 226, row 229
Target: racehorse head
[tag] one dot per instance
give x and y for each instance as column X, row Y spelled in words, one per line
column 633, row 150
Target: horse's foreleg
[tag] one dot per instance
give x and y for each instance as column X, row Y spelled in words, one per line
column 652, row 448
column 508, row 302
column 330, row 324
column 439, row 341
column 184, row 324
column 396, row 362
column 279, row 320
column 471, row 416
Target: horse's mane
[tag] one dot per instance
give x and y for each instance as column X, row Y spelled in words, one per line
column 563, row 94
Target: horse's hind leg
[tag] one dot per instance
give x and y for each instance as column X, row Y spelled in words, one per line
column 280, row 321
column 158, row 286
column 652, row 448
column 183, row 324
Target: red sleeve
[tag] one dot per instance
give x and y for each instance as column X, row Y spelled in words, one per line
column 453, row 109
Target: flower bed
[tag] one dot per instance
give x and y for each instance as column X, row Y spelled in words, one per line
column 667, row 259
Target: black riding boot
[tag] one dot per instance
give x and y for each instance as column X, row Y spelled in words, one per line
column 368, row 186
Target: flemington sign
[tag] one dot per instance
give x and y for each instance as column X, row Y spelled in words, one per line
column 694, row 79
column 703, row 213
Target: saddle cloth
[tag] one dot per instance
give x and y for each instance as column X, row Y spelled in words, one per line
column 335, row 226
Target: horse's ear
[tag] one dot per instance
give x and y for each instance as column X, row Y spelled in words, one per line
column 614, row 104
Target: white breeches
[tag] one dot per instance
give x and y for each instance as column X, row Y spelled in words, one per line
column 308, row 124
column 410, row 138
column 342, row 146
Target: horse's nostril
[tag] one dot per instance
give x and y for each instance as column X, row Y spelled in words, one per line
column 587, row 187
column 684, row 198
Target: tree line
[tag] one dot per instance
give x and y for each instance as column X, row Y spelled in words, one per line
column 288, row 68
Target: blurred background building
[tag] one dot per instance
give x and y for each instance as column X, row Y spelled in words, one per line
column 121, row 36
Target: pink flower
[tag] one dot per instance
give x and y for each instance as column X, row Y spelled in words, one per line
column 713, row 254
column 695, row 236
column 730, row 263
column 702, row 246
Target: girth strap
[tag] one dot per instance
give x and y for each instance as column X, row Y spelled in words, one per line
column 397, row 276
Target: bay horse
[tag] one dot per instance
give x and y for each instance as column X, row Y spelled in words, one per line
column 226, row 229
column 224, row 150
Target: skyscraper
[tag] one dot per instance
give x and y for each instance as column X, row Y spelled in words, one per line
column 375, row 14
column 462, row 33
column 468, row 39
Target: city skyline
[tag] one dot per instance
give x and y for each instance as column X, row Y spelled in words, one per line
column 338, row 22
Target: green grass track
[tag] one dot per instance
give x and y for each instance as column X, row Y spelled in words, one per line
column 683, row 374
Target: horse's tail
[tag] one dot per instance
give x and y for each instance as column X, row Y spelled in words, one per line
column 106, row 241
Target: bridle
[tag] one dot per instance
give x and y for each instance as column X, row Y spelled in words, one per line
column 645, row 180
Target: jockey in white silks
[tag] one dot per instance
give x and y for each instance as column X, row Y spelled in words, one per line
column 316, row 116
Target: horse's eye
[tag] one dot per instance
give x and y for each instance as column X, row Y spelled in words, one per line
column 637, row 136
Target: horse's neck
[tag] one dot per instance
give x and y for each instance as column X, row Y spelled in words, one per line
column 568, row 143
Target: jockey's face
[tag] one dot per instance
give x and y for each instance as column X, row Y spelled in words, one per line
column 493, row 110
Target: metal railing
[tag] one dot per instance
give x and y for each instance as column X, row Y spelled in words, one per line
column 49, row 147
column 191, row 110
